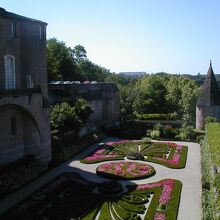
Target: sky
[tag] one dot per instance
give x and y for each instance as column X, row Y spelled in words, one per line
column 173, row 36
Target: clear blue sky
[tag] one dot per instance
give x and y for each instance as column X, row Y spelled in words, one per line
column 175, row 36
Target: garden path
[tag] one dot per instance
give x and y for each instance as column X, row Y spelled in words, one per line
column 190, row 176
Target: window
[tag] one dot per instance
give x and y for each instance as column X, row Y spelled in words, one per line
column 10, row 77
column 41, row 32
column 13, row 126
column 13, row 29
column 30, row 81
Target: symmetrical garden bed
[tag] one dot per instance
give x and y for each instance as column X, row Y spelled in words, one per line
column 168, row 154
column 125, row 170
column 71, row 197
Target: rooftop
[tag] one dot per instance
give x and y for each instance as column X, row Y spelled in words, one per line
column 6, row 14
column 210, row 93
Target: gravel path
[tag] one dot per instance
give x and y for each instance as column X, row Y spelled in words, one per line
column 190, row 177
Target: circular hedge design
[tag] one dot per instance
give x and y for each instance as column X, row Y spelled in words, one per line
column 125, row 170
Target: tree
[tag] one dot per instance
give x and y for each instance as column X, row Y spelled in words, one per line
column 64, row 118
column 79, row 53
column 91, row 71
column 60, row 63
column 83, row 110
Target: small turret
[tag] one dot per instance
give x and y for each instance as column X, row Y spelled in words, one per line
column 208, row 103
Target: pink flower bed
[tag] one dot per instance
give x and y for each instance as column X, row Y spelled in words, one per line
column 174, row 161
column 167, row 185
column 176, row 156
column 159, row 216
column 127, row 170
column 99, row 155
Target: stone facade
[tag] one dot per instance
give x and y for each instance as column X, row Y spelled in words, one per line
column 208, row 103
column 24, row 117
column 103, row 98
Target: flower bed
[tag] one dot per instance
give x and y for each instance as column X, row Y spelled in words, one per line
column 165, row 153
column 69, row 196
column 125, row 170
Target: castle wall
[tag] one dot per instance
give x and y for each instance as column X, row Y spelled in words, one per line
column 103, row 98
column 204, row 111
column 24, row 120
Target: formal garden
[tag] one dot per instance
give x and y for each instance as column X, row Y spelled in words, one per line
column 70, row 196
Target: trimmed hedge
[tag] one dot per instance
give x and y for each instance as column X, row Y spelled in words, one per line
column 66, row 197
column 208, row 195
column 169, row 116
column 155, row 152
column 210, row 162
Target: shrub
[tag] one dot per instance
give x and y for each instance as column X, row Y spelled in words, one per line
column 208, row 195
column 199, row 138
column 146, row 140
column 210, row 119
column 16, row 177
column 169, row 116
column 186, row 132
column 155, row 134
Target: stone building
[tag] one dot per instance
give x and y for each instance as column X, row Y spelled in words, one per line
column 24, row 116
column 208, row 103
column 103, row 98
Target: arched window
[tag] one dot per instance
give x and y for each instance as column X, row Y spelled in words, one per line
column 10, row 77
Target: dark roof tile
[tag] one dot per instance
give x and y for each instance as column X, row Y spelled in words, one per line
column 210, row 93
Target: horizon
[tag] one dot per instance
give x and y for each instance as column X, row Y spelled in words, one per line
column 134, row 36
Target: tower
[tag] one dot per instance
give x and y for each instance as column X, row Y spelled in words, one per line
column 208, row 103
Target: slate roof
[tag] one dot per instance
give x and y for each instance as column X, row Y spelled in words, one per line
column 6, row 14
column 210, row 93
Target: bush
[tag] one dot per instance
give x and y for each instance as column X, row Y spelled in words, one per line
column 199, row 138
column 155, row 134
column 186, row 132
column 210, row 119
column 208, row 194
column 169, row 116
column 146, row 140
column 16, row 177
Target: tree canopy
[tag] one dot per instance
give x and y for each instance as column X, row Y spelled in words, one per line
column 159, row 93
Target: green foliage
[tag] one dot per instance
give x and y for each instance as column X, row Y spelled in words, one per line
column 64, row 117
column 210, row 119
column 60, row 63
column 169, row 116
column 83, row 110
column 186, row 132
column 92, row 72
column 62, row 153
column 20, row 175
column 146, row 140
column 79, row 53
column 155, row 134
column 161, row 94
column 213, row 137
column 208, row 195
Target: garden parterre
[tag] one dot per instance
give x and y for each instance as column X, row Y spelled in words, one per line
column 125, row 170
column 66, row 197
column 165, row 153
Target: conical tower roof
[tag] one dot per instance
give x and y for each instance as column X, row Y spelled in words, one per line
column 210, row 93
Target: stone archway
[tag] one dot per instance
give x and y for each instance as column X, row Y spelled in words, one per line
column 19, row 134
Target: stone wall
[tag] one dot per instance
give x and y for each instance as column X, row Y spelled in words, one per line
column 103, row 98
column 204, row 111
column 24, row 120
